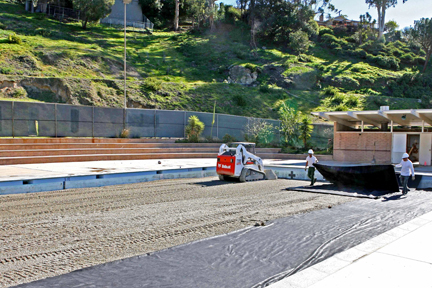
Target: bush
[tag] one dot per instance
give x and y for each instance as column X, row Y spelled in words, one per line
column 299, row 41
column 19, row 93
column 259, row 131
column 228, row 138
column 232, row 14
column 43, row 32
column 194, row 129
column 407, row 58
column 40, row 16
column 325, row 30
column 253, row 67
column 330, row 91
column 14, row 39
column 420, row 60
column 389, row 62
column 152, row 84
column 3, row 26
column 125, row 133
column 329, row 38
column 239, row 100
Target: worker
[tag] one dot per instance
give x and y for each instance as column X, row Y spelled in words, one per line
column 310, row 161
column 407, row 170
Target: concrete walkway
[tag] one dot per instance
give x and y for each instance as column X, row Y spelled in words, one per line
column 401, row 257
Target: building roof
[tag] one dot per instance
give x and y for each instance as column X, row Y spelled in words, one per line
column 407, row 117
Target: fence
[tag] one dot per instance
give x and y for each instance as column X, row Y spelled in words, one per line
column 139, row 25
column 62, row 12
column 19, row 119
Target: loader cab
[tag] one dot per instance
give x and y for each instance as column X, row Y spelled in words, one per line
column 250, row 146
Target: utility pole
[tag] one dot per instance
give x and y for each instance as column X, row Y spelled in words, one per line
column 125, row 2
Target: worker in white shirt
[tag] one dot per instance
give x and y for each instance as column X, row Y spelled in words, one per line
column 407, row 170
column 310, row 161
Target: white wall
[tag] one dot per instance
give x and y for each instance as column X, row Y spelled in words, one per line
column 425, row 149
column 398, row 147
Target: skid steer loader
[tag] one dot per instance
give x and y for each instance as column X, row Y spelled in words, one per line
column 237, row 162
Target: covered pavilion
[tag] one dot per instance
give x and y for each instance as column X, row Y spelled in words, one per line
column 381, row 136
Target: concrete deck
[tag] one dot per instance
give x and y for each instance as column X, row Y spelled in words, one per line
column 28, row 178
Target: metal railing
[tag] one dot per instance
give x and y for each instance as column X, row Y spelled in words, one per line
column 59, row 12
column 147, row 25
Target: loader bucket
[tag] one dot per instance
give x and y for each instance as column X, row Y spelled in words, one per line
column 270, row 174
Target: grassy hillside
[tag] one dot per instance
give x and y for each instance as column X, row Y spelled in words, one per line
column 60, row 62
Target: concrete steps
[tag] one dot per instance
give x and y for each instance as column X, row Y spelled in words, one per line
column 51, row 150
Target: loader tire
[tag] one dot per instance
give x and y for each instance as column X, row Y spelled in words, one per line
column 222, row 178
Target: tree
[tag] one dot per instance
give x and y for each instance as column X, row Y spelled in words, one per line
column 305, row 128
column 299, row 41
column 422, row 33
column 94, row 10
column 194, row 128
column 365, row 24
column 382, row 6
column 176, row 15
column 280, row 18
column 196, row 9
column 290, row 120
column 259, row 131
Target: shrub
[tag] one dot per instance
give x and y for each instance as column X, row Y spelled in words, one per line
column 420, row 60
column 330, row 91
column 264, row 88
column 388, row 62
column 253, row 67
column 194, row 128
column 40, row 16
column 239, row 100
column 3, row 26
column 299, row 41
column 125, row 133
column 19, row 93
column 43, row 32
column 152, row 84
column 14, row 39
column 259, row 131
column 407, row 58
column 231, row 13
column 329, row 38
column 325, row 30
column 340, row 30
column 227, row 138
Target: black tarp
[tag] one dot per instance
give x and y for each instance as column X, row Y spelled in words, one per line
column 371, row 177
column 256, row 256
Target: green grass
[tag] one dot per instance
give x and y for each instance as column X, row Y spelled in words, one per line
column 168, row 70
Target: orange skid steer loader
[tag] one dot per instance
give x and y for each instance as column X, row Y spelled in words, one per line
column 237, row 162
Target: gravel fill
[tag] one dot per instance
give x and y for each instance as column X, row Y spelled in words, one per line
column 52, row 233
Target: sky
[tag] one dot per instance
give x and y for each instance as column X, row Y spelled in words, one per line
column 404, row 13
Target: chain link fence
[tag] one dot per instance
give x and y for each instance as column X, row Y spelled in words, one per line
column 20, row 119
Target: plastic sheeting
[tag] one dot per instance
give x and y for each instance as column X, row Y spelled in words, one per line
column 373, row 177
column 257, row 256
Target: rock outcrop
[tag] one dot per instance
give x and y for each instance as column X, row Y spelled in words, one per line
column 241, row 75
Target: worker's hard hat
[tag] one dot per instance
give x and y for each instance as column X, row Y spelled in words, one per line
column 405, row 155
column 310, row 151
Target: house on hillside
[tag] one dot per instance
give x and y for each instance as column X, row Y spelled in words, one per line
column 134, row 15
column 341, row 21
